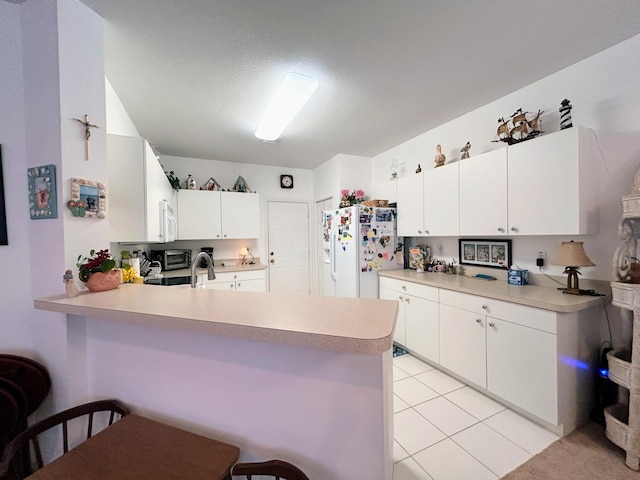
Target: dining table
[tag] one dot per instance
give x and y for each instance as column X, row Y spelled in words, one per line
column 137, row 447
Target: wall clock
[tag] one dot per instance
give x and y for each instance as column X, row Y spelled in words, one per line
column 286, row 181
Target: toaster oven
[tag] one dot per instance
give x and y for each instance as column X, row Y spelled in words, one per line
column 173, row 259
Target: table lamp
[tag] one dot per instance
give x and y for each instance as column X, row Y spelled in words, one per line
column 572, row 257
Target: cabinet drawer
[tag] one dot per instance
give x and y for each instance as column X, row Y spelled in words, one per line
column 544, row 320
column 234, row 276
column 410, row 288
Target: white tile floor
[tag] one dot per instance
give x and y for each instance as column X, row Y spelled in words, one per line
column 445, row 430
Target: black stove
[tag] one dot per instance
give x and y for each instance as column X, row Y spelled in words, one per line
column 169, row 281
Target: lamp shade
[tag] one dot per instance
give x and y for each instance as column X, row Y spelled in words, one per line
column 572, row 254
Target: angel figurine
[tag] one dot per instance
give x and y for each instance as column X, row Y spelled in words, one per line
column 69, row 284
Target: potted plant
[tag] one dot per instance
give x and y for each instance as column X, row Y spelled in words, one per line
column 97, row 271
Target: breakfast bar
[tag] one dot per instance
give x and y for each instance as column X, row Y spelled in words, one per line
column 304, row 379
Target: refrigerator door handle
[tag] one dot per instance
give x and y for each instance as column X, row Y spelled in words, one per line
column 332, row 253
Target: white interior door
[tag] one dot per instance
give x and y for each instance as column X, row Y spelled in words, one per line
column 288, row 250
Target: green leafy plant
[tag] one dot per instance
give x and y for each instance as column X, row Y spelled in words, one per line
column 100, row 261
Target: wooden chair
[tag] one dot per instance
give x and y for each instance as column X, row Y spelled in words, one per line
column 12, row 465
column 275, row 468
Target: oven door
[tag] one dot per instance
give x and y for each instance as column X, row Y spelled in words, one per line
column 175, row 259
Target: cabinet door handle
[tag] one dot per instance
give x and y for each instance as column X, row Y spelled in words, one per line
column 270, row 253
column 273, row 261
column 478, row 320
column 238, row 285
column 514, row 229
column 484, row 307
column 491, row 324
column 218, row 236
column 501, row 230
column 225, row 235
column 426, row 232
column 407, row 300
column 400, row 298
column 420, row 232
column 404, row 287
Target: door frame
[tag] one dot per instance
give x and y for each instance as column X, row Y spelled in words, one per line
column 317, row 244
column 309, row 252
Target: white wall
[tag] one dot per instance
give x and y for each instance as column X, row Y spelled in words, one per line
column 15, row 281
column 63, row 68
column 118, row 121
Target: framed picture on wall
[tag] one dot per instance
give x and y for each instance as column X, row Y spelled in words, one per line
column 4, row 237
column 42, row 192
column 485, row 252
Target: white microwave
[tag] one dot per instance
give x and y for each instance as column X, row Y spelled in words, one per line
column 168, row 223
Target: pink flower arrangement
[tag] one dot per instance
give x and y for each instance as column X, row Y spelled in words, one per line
column 351, row 198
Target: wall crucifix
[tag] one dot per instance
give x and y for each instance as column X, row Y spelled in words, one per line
column 87, row 133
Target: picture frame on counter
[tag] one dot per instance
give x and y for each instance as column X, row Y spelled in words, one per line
column 485, row 252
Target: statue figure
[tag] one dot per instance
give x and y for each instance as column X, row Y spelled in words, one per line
column 69, row 284
column 465, row 151
column 440, row 158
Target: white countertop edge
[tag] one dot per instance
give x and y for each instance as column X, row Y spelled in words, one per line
column 378, row 340
column 546, row 298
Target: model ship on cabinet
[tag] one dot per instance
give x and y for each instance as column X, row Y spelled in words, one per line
column 519, row 127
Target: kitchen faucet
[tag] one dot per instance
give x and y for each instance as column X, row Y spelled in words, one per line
column 211, row 275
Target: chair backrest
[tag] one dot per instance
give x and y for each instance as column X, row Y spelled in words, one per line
column 12, row 465
column 275, row 468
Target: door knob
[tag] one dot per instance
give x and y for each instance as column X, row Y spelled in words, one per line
column 273, row 261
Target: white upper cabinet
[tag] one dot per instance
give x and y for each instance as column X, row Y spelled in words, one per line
column 551, row 182
column 428, row 202
column 240, row 215
column 410, row 206
column 204, row 214
column 199, row 215
column 137, row 184
column 441, row 202
column 483, row 194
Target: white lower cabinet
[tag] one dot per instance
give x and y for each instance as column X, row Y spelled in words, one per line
column 462, row 343
column 504, row 355
column 539, row 361
column 247, row 281
column 417, row 324
column 522, row 367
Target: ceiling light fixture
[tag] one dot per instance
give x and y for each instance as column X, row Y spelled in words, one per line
column 292, row 94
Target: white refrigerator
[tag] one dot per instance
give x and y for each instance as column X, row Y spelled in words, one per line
column 358, row 242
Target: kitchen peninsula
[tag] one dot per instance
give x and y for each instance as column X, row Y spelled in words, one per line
column 306, row 379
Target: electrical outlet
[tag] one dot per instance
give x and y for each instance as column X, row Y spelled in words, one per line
column 540, row 259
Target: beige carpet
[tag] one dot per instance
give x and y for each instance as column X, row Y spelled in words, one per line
column 583, row 454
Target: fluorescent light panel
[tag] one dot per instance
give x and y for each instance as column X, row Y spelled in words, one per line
column 292, row 94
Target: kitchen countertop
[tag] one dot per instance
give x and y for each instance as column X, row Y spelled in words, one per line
column 547, row 298
column 343, row 324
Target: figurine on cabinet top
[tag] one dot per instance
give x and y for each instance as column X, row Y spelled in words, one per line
column 465, row 151
column 440, row 158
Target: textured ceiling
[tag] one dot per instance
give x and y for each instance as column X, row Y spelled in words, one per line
column 195, row 75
